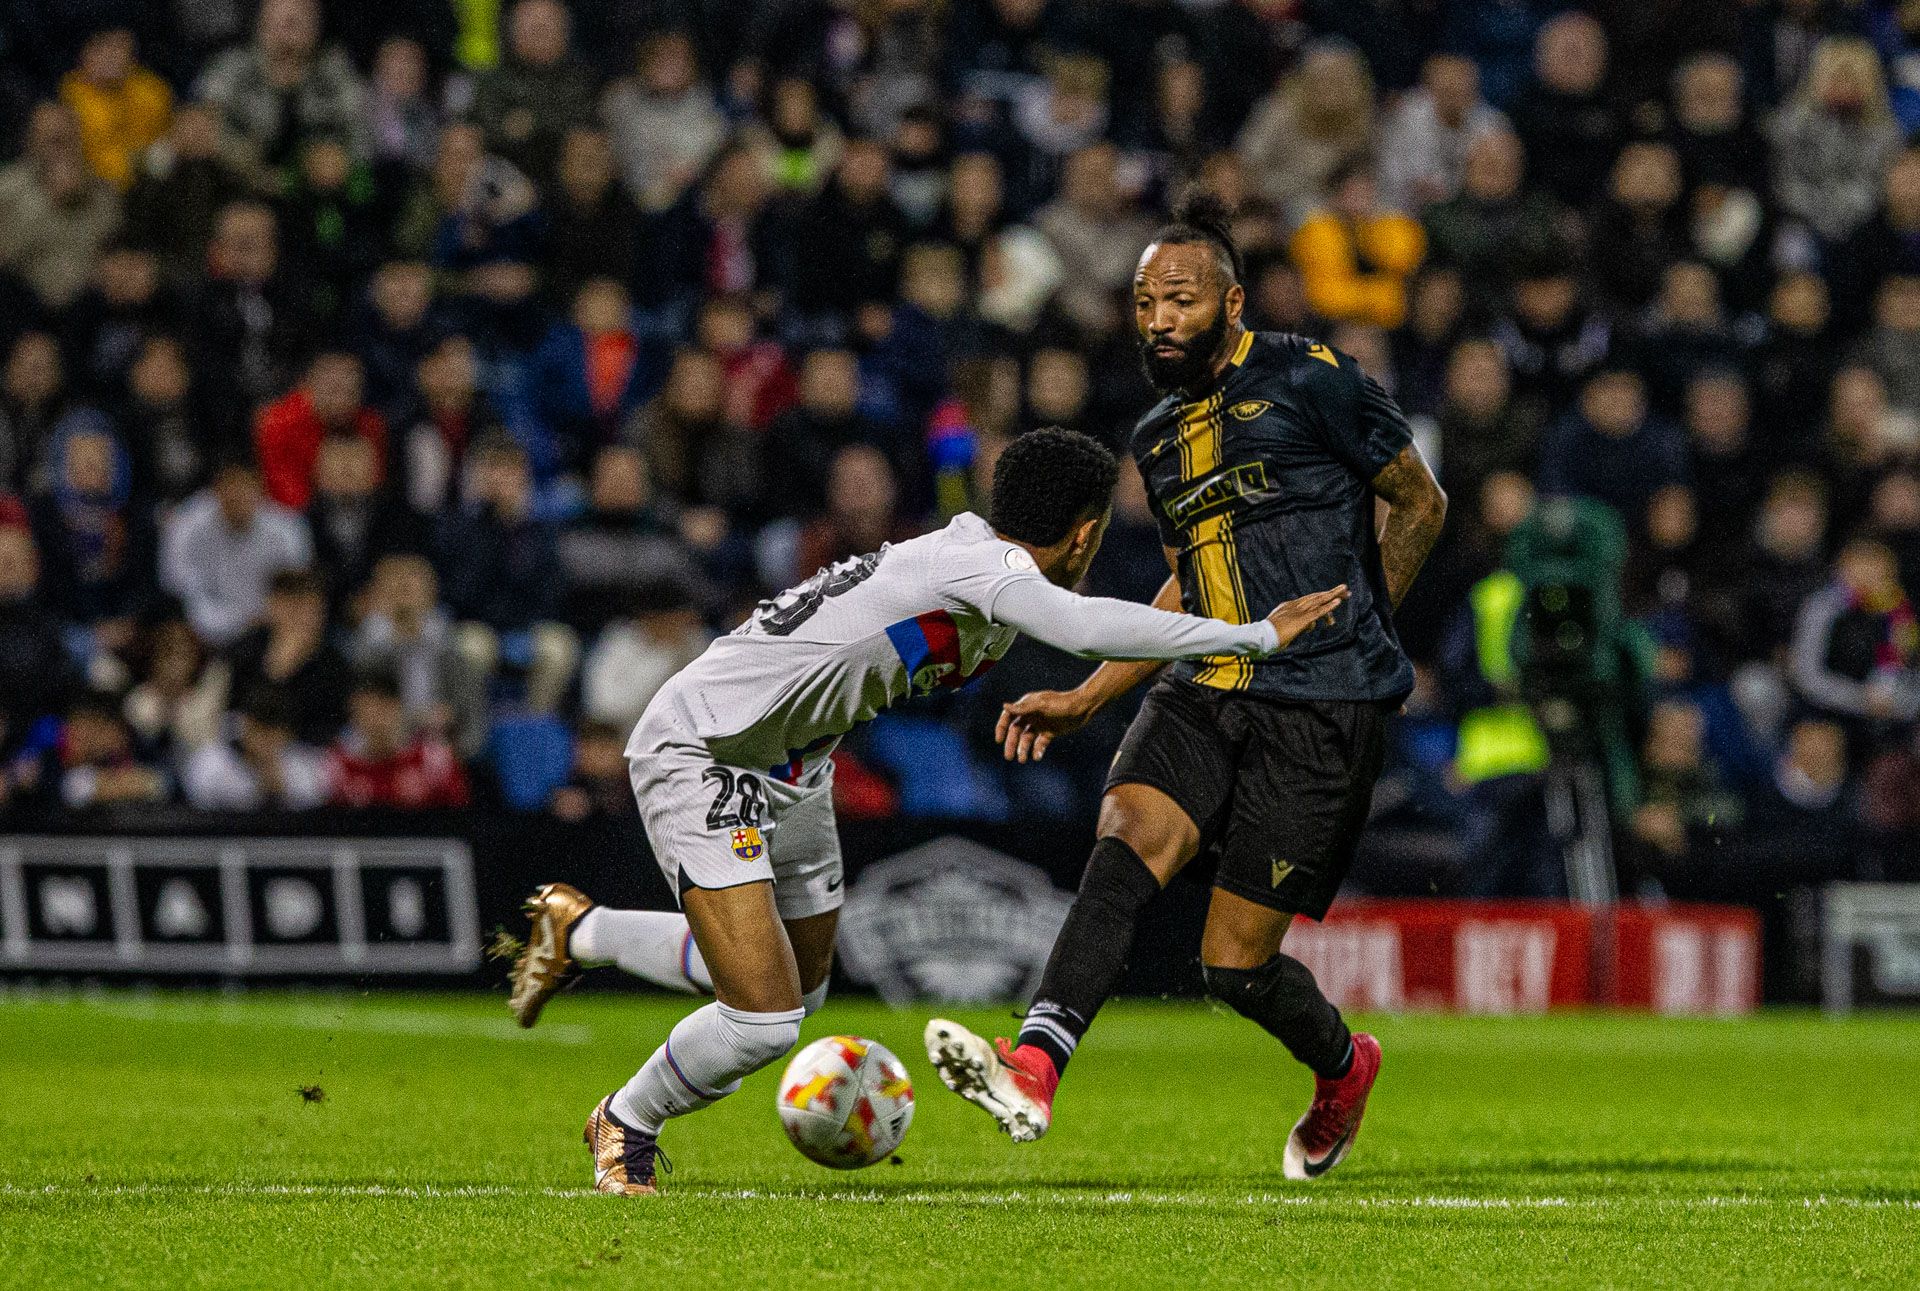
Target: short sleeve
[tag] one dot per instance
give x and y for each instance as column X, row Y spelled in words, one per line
column 1362, row 424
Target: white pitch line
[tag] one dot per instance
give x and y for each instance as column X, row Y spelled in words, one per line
column 423, row 1192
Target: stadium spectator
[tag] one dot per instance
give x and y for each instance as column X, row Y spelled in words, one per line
column 181, row 182
column 32, row 401
column 284, row 87
column 538, row 92
column 262, row 767
column 1095, row 231
column 1613, row 449
column 695, row 456
column 1318, row 117
column 246, row 323
column 1356, row 255
column 499, row 570
column 452, row 415
column 405, row 632
column 592, row 371
column 121, row 108
column 34, row 672
column 221, row 548
column 600, row 784
column 760, row 380
column 1637, row 229
column 179, row 703
column 1856, row 642
column 1891, row 346
column 1481, row 431
column 96, row 544
column 621, row 545
column 55, row 214
column 592, row 224
column 402, row 121
column 664, row 123
column 379, row 762
column 1424, row 140
column 1495, row 223
column 93, row 762
column 170, row 445
column 1711, row 131
column 1570, row 127
column 1833, row 144
column 400, row 322
column 328, row 403
column 797, row 144
column 1553, row 336
column 354, row 521
column 291, row 650
column 660, row 633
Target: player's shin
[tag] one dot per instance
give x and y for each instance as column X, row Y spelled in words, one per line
column 654, row 945
column 1090, row 955
column 1283, row 998
column 705, row 1058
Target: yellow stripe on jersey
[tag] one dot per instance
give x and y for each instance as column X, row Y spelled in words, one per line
column 1216, row 568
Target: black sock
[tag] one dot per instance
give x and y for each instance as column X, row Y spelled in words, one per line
column 1091, row 952
column 1283, row 998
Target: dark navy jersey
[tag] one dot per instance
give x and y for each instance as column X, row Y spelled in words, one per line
column 1264, row 486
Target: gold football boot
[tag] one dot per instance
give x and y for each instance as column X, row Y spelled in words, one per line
column 542, row 965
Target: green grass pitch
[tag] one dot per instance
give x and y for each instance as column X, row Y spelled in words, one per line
column 160, row 1141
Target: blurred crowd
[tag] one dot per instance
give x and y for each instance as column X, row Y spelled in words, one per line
column 393, row 396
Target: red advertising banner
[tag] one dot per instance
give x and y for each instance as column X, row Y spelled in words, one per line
column 1530, row 956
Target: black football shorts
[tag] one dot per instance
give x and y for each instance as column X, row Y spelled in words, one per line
column 1279, row 788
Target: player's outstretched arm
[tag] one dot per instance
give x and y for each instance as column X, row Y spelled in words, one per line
column 1032, row 722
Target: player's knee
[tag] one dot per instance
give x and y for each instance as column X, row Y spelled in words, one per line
column 760, row 1039
column 1151, row 826
column 1118, row 877
column 1280, row 988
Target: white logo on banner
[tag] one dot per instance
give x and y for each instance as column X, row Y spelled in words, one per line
column 69, row 907
column 179, row 912
column 406, row 908
column 1504, row 967
column 293, row 908
column 951, row 920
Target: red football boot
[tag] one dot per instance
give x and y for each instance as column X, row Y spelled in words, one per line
column 1326, row 1133
column 1014, row 1086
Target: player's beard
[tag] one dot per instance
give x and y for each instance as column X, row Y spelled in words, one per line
column 1191, row 368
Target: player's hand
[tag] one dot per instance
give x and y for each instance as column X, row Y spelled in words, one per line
column 1035, row 720
column 1315, row 609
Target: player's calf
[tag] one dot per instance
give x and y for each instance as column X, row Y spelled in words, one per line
column 1282, row 997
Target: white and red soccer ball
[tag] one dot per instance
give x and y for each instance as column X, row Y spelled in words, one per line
column 846, row 1102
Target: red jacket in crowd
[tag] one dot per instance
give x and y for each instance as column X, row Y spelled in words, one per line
column 287, row 435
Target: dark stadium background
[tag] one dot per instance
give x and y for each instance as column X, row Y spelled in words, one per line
column 556, row 349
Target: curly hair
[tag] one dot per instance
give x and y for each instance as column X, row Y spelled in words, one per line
column 1200, row 217
column 1049, row 480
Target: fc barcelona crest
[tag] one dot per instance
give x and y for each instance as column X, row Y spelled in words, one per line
column 747, row 843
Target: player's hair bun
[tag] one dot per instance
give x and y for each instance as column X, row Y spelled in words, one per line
column 1200, row 216
column 1203, row 209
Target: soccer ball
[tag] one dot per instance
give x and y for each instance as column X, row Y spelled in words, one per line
column 846, row 1102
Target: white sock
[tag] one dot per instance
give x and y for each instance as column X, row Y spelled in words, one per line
column 810, row 1002
column 709, row 1053
column 655, row 945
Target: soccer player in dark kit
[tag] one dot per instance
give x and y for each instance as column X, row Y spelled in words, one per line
column 1268, row 462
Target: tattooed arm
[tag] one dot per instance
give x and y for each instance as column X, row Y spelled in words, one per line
column 1416, row 507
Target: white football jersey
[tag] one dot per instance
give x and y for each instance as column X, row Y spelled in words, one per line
column 914, row 617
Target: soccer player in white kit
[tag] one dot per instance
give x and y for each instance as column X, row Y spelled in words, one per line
column 732, row 767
